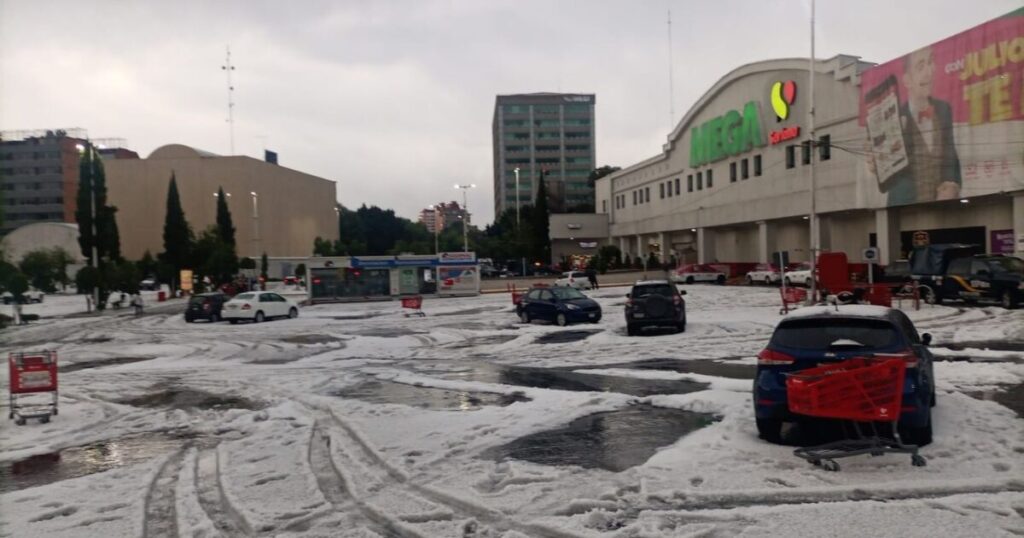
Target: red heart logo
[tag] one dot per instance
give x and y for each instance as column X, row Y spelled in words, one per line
column 789, row 91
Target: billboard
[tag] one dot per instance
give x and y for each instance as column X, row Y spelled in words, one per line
column 946, row 121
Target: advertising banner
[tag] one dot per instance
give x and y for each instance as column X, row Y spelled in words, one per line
column 1002, row 241
column 185, row 277
column 947, row 121
column 458, row 280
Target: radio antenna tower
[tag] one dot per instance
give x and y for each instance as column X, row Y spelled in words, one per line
column 671, row 89
column 228, row 68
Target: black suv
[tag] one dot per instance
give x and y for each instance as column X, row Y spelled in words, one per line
column 982, row 277
column 205, row 306
column 655, row 303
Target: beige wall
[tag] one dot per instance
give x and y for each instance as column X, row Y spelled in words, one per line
column 293, row 207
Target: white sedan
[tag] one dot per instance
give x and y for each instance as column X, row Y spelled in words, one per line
column 258, row 306
column 574, row 279
column 698, row 272
column 764, row 273
column 799, row 275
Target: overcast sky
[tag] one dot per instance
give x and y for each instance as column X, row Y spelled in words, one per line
column 394, row 100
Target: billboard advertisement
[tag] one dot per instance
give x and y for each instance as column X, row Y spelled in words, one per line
column 947, row 121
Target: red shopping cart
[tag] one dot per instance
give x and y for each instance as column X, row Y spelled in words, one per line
column 414, row 303
column 791, row 296
column 32, row 373
column 863, row 391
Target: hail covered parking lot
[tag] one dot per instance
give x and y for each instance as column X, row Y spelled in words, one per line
column 354, row 420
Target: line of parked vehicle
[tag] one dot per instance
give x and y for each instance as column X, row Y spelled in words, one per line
column 254, row 306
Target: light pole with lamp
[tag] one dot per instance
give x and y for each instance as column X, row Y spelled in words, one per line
column 92, row 201
column 522, row 259
column 436, row 228
column 465, row 214
column 255, row 223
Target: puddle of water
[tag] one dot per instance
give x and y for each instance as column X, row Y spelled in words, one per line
column 79, row 461
column 468, row 312
column 311, row 339
column 614, row 441
column 564, row 337
column 183, row 398
column 387, row 332
column 377, row 391
column 482, row 341
column 99, row 363
column 1012, row 397
column 712, row 367
column 560, row 379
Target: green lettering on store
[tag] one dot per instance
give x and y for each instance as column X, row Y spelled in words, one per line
column 724, row 136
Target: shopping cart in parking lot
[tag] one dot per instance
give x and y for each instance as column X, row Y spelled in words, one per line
column 791, row 296
column 861, row 391
column 32, row 373
column 414, row 303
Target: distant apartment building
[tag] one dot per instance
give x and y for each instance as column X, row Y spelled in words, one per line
column 549, row 133
column 39, row 175
column 442, row 215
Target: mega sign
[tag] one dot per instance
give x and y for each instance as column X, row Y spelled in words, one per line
column 729, row 134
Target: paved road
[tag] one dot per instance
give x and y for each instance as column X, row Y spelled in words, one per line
column 607, row 280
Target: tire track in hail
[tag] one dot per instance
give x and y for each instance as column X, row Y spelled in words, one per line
column 210, row 493
column 160, row 515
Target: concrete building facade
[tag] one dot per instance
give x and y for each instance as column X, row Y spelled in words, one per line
column 274, row 209
column 551, row 133
column 732, row 183
column 576, row 234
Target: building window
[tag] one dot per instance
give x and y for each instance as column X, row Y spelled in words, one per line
column 604, row 206
column 689, row 183
column 790, row 156
column 669, row 189
column 700, row 181
column 661, row 190
column 732, row 172
column 709, row 178
column 647, row 193
column 805, row 151
column 757, row 165
column 745, row 169
column 825, row 147
column 634, row 197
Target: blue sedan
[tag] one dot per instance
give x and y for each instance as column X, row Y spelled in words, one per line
column 561, row 305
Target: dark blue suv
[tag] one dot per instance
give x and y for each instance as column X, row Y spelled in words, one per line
column 820, row 335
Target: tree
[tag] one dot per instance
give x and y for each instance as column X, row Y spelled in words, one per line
column 600, row 172
column 213, row 258
column 626, row 262
column 541, row 240
column 351, row 233
column 611, row 256
column 93, row 209
column 321, row 247
column 263, row 266
column 177, row 233
column 84, row 209
column 40, row 268
column 247, row 263
column 225, row 228
column 300, row 270
column 147, row 265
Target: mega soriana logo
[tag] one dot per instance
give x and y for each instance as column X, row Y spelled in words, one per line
column 783, row 95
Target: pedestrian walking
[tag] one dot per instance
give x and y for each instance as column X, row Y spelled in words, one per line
column 137, row 304
column 592, row 278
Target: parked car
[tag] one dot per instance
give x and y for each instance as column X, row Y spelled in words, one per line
column 698, row 272
column 30, row 296
column 258, row 306
column 489, row 271
column 149, row 284
column 986, row 277
column 814, row 336
column 799, row 275
column 574, row 279
column 655, row 303
column 897, row 274
column 764, row 273
column 562, row 305
column 206, row 306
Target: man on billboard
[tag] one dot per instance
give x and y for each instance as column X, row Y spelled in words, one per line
column 933, row 166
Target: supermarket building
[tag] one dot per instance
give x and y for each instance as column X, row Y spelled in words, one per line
column 926, row 148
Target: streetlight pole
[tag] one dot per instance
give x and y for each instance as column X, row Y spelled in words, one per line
column 94, row 260
column 523, row 258
column 436, row 229
column 255, row 223
column 465, row 215
column 815, row 237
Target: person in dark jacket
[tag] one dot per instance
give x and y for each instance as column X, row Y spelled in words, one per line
column 592, row 278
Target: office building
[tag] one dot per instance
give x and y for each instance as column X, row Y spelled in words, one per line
column 550, row 133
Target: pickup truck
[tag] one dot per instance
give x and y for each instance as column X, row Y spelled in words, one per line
column 954, row 272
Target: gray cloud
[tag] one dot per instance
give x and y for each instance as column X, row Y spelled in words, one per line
column 393, row 100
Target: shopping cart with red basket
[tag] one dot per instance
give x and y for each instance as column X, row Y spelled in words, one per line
column 32, row 373
column 414, row 303
column 861, row 391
